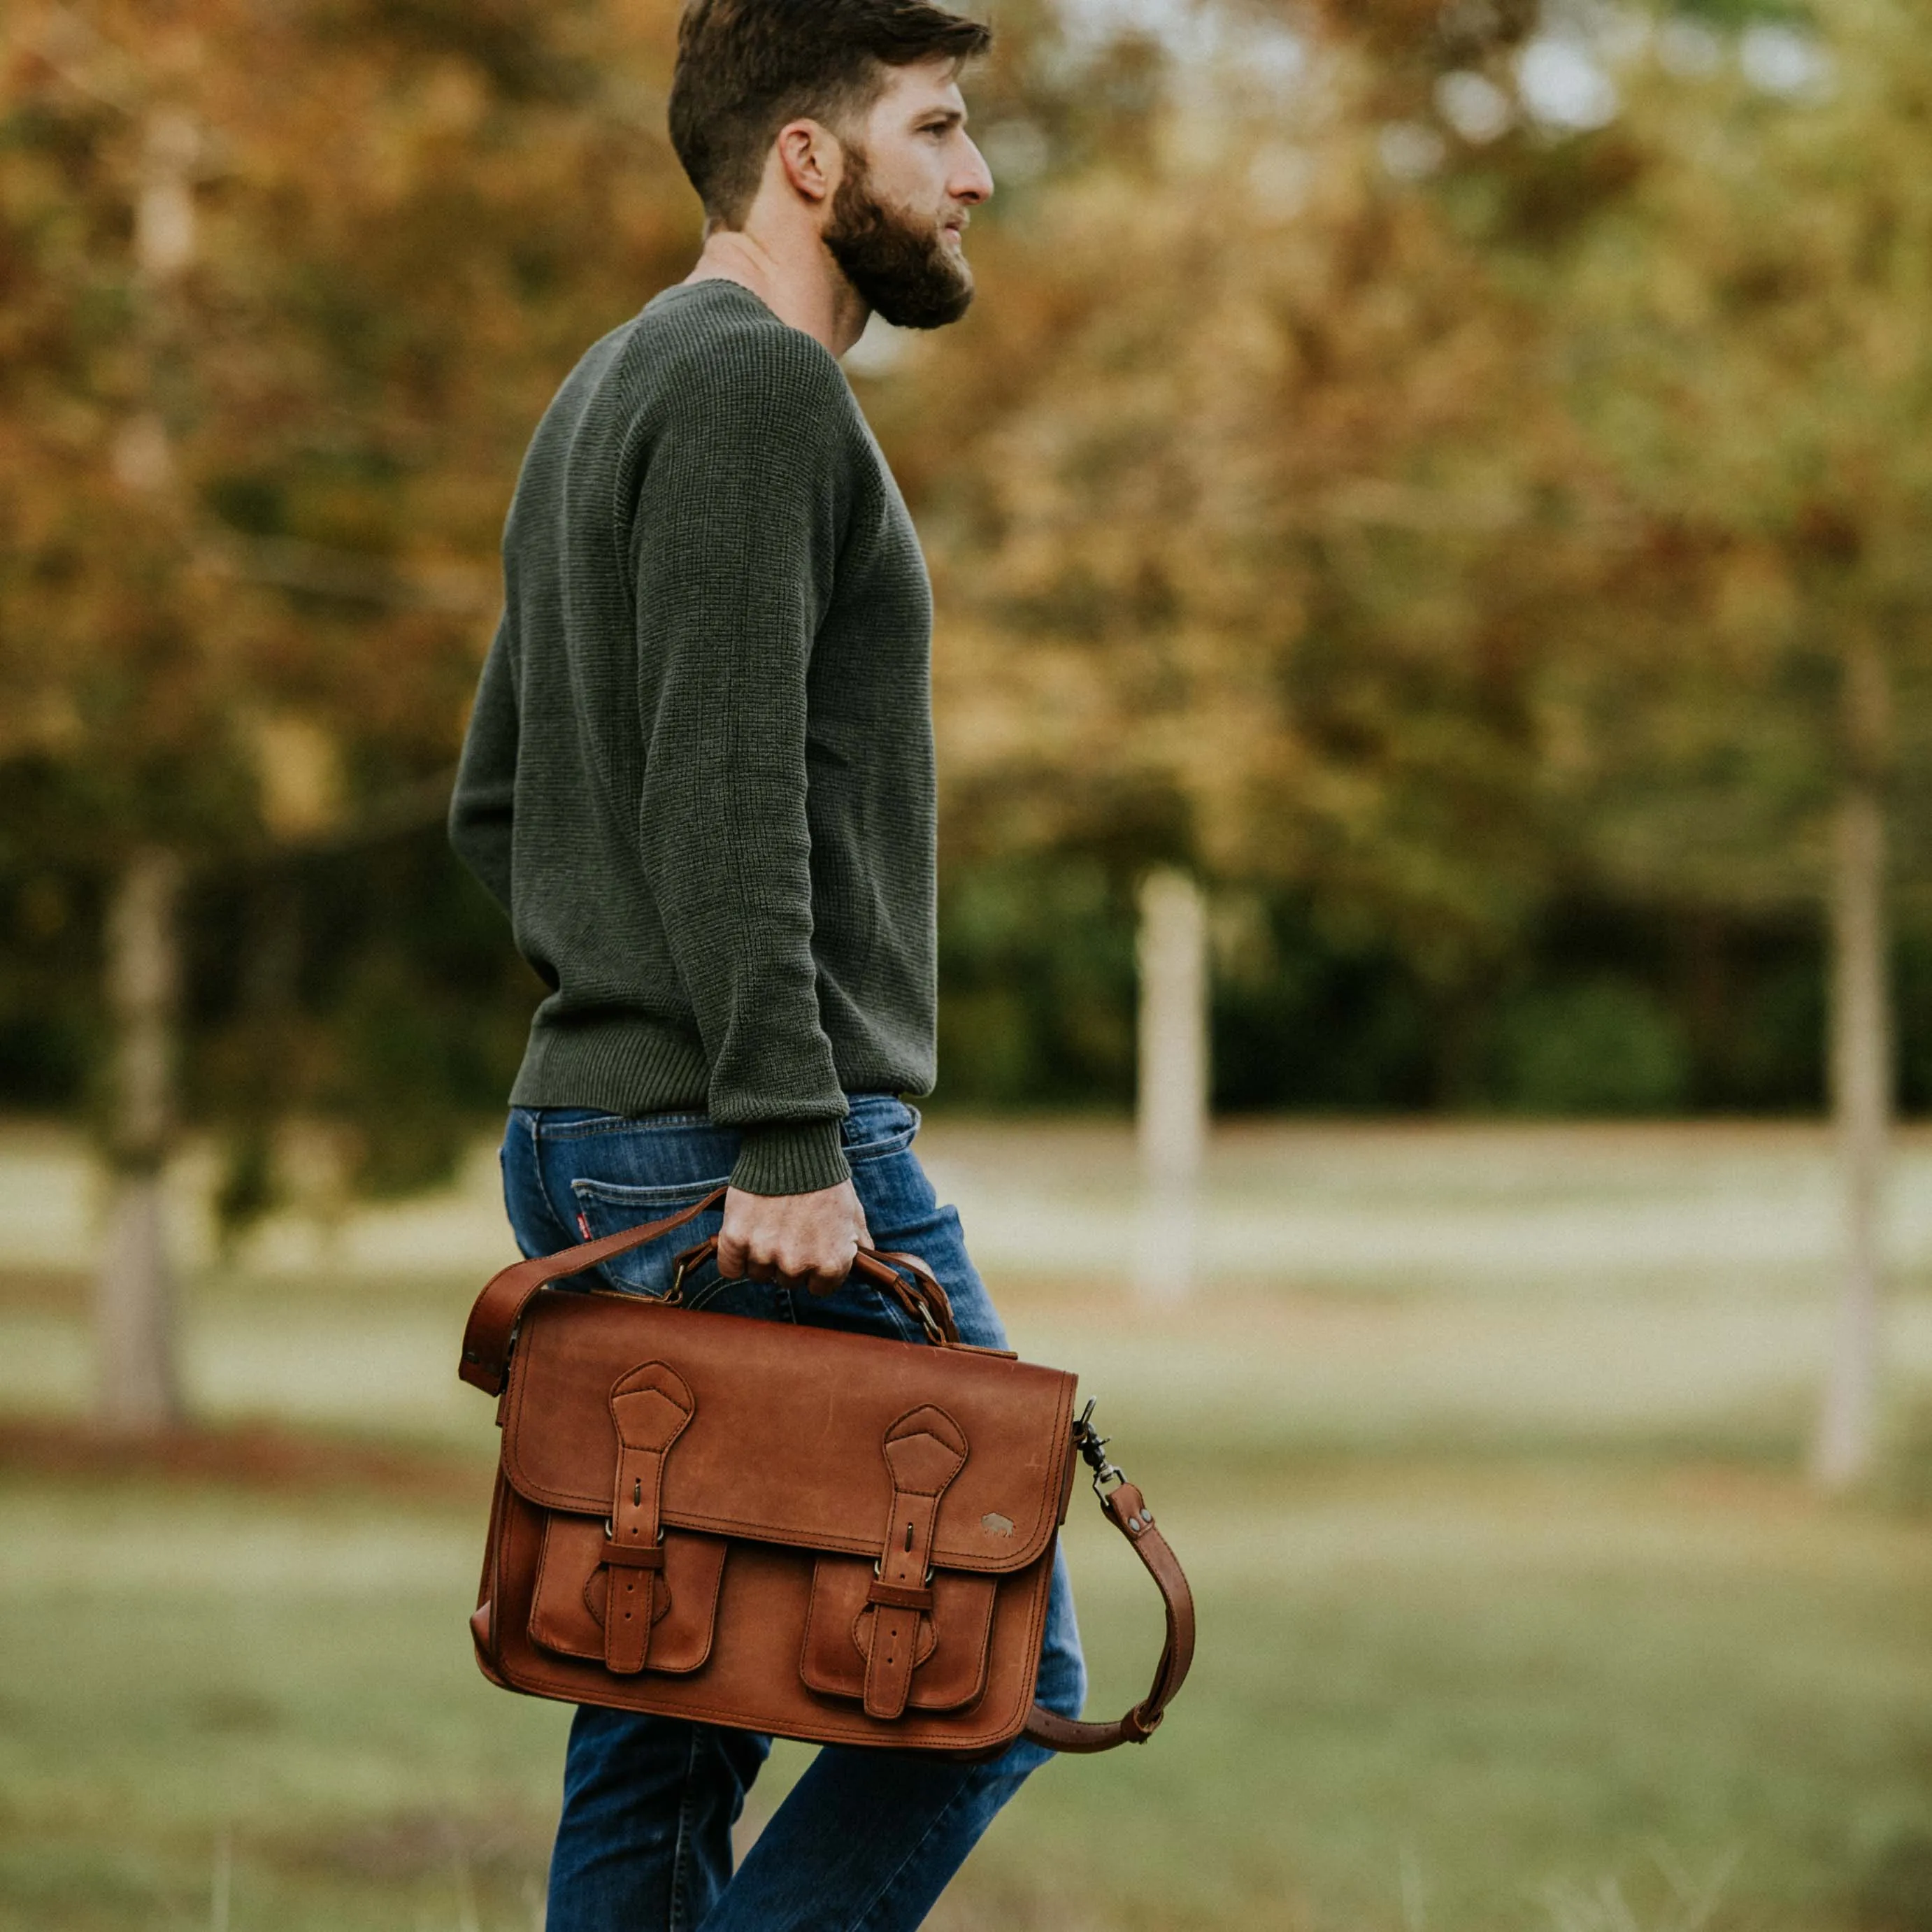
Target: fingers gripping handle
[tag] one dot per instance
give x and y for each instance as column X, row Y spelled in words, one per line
column 921, row 1298
column 492, row 1328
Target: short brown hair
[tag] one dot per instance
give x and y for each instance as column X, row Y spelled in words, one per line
column 745, row 67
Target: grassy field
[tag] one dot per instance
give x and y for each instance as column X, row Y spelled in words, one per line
column 1479, row 1445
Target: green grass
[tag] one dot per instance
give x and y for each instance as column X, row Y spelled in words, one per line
column 1514, row 1617
column 1499, row 1686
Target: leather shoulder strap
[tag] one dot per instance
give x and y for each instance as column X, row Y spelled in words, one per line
column 492, row 1321
column 1129, row 1514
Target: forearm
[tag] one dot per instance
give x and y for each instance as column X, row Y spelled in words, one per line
column 728, row 859
column 734, row 559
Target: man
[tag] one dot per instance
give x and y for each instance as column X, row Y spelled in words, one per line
column 699, row 778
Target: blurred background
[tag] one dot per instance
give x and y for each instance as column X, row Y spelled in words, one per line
column 1430, row 517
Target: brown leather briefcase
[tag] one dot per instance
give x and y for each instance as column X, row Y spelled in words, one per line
column 783, row 1528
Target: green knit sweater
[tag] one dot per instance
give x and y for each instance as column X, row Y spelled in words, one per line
column 698, row 775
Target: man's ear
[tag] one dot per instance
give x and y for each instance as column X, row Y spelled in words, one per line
column 810, row 158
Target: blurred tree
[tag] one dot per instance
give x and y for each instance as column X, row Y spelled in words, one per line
column 1744, row 337
column 1441, row 458
column 283, row 291
column 1250, row 511
column 1445, row 516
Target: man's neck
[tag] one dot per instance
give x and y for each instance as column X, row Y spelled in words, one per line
column 793, row 275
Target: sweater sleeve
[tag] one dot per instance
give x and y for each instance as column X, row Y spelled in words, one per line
column 736, row 537
column 481, row 807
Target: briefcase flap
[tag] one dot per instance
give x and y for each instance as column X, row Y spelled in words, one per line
column 787, row 1429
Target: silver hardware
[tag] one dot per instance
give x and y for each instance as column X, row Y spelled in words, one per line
column 610, row 1535
column 1093, row 1447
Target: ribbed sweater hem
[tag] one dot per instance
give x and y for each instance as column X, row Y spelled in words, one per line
column 632, row 1066
column 626, row 1065
column 790, row 1157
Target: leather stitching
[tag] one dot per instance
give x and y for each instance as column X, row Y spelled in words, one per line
column 537, row 1589
column 905, row 1736
column 924, row 1462
column 757, row 1530
column 550, row 1684
column 662, row 1610
column 551, row 1640
column 927, row 1630
column 980, row 1675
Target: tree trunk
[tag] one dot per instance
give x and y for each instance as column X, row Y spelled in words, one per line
column 1861, row 1085
column 134, row 1311
column 1172, row 1117
column 134, row 1299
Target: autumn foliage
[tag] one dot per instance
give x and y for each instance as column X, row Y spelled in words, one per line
column 1450, row 521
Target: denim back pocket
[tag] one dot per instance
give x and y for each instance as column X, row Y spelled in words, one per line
column 873, row 1132
column 607, row 1208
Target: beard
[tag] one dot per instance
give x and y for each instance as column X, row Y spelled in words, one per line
column 901, row 269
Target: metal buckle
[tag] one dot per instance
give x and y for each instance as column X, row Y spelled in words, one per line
column 1093, row 1446
column 673, row 1296
column 610, row 1535
column 880, row 1574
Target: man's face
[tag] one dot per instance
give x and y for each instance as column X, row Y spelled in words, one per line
column 898, row 216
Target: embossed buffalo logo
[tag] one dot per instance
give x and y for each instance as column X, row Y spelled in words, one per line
column 994, row 1524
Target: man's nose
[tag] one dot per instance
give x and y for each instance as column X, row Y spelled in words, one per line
column 972, row 183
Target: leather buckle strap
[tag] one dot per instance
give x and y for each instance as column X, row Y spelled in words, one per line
column 492, row 1329
column 924, row 1450
column 650, row 1407
column 894, row 1597
column 628, row 1556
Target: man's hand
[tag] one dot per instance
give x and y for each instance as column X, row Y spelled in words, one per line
column 799, row 1240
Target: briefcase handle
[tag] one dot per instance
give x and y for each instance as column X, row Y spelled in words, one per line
column 491, row 1330
column 923, row 1299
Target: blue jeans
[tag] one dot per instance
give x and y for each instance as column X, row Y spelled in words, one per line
column 866, row 1838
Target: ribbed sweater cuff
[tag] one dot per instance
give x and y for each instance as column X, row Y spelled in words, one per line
column 790, row 1157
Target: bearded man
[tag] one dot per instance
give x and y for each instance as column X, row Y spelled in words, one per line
column 699, row 778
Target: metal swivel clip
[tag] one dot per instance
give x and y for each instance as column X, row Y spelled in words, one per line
column 1093, row 1445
